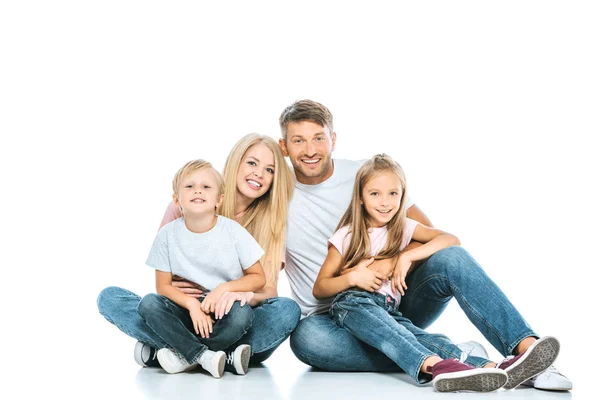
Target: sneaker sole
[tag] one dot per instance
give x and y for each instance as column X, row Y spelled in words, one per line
column 541, row 356
column 478, row 380
column 164, row 363
column 137, row 354
column 241, row 359
column 220, row 370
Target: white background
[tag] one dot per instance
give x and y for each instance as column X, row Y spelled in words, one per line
column 492, row 109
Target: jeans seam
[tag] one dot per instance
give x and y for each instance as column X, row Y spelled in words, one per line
column 516, row 342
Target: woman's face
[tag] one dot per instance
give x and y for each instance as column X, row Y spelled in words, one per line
column 256, row 172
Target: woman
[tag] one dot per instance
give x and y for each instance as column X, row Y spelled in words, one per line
column 258, row 189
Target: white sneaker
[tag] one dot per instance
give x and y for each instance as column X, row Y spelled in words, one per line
column 238, row 360
column 550, row 379
column 213, row 362
column 474, row 349
column 145, row 355
column 173, row 362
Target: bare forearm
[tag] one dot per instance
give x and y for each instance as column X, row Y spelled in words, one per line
column 327, row 287
column 422, row 251
column 261, row 295
column 176, row 295
column 247, row 283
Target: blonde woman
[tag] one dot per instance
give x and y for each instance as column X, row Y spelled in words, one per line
column 258, row 189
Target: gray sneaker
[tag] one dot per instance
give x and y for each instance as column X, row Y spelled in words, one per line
column 474, row 349
column 145, row 355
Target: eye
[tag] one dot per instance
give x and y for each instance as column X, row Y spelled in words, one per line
column 270, row 170
column 297, row 141
column 252, row 163
column 394, row 193
column 188, row 186
column 374, row 194
column 320, row 139
column 206, row 187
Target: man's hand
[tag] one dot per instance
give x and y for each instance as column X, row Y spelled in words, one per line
column 190, row 288
column 364, row 278
column 226, row 301
column 203, row 323
column 398, row 280
column 212, row 298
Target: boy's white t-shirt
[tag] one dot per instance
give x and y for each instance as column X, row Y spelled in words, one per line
column 378, row 239
column 314, row 213
column 209, row 258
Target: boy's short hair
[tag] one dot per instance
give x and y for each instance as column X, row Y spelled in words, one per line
column 193, row 166
column 305, row 110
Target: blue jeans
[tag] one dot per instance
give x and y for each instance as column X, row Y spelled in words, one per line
column 374, row 319
column 274, row 320
column 173, row 324
column 449, row 273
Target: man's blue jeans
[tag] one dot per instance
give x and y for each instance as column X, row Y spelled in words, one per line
column 449, row 273
column 274, row 320
column 374, row 319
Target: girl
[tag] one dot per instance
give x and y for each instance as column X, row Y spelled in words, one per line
column 375, row 227
column 258, row 189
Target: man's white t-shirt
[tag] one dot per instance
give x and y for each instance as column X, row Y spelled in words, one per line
column 314, row 213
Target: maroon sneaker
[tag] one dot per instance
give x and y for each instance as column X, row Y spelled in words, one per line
column 451, row 375
column 538, row 358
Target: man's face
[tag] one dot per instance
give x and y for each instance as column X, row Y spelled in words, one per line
column 309, row 147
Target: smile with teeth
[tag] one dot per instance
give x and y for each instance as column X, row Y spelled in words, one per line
column 253, row 183
column 384, row 211
column 311, row 161
column 198, row 201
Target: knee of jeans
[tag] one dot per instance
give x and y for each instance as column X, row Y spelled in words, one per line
column 106, row 299
column 453, row 261
column 289, row 313
column 149, row 304
column 307, row 339
column 241, row 317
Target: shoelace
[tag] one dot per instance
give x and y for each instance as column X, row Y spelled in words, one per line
column 503, row 361
column 229, row 359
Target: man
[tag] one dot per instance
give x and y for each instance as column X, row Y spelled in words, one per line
column 322, row 193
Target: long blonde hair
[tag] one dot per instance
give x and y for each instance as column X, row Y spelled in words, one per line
column 266, row 217
column 356, row 217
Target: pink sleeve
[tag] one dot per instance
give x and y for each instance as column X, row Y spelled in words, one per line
column 409, row 229
column 339, row 239
column 173, row 212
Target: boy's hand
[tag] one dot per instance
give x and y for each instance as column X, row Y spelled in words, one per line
column 190, row 288
column 398, row 281
column 226, row 301
column 212, row 298
column 203, row 323
column 364, row 278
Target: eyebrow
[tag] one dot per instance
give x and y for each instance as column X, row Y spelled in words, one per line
column 256, row 159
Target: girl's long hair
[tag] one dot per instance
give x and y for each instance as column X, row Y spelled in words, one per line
column 266, row 217
column 356, row 217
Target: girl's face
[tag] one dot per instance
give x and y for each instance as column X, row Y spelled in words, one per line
column 381, row 198
column 256, row 172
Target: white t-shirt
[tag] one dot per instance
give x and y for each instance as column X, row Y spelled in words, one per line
column 314, row 213
column 378, row 239
column 209, row 258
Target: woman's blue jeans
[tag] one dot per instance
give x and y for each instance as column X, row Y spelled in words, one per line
column 449, row 273
column 273, row 321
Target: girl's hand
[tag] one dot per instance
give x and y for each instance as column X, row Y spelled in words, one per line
column 203, row 323
column 190, row 288
column 226, row 301
column 364, row 278
column 398, row 278
column 211, row 299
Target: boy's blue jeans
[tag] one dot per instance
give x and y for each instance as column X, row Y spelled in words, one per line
column 274, row 320
column 374, row 319
column 449, row 273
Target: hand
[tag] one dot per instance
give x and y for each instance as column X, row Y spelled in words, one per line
column 226, row 301
column 189, row 288
column 385, row 266
column 364, row 278
column 203, row 323
column 398, row 282
column 211, row 299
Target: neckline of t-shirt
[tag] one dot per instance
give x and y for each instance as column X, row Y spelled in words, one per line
column 329, row 180
column 219, row 219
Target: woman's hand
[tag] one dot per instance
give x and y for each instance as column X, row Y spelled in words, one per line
column 398, row 282
column 203, row 323
column 189, row 288
column 226, row 301
column 364, row 278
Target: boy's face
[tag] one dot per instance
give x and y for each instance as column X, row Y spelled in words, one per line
column 198, row 193
column 309, row 147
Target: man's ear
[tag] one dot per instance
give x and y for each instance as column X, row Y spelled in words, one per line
column 333, row 139
column 283, row 147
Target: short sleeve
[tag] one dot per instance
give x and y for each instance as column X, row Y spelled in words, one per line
column 409, row 228
column 339, row 238
column 159, row 253
column 248, row 249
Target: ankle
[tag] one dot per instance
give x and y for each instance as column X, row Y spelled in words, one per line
column 524, row 345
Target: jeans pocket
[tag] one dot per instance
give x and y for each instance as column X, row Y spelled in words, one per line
column 338, row 314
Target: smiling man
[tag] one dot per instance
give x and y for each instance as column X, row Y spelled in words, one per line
column 322, row 193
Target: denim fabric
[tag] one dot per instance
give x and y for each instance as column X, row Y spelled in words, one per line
column 274, row 320
column 374, row 319
column 449, row 273
column 173, row 323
